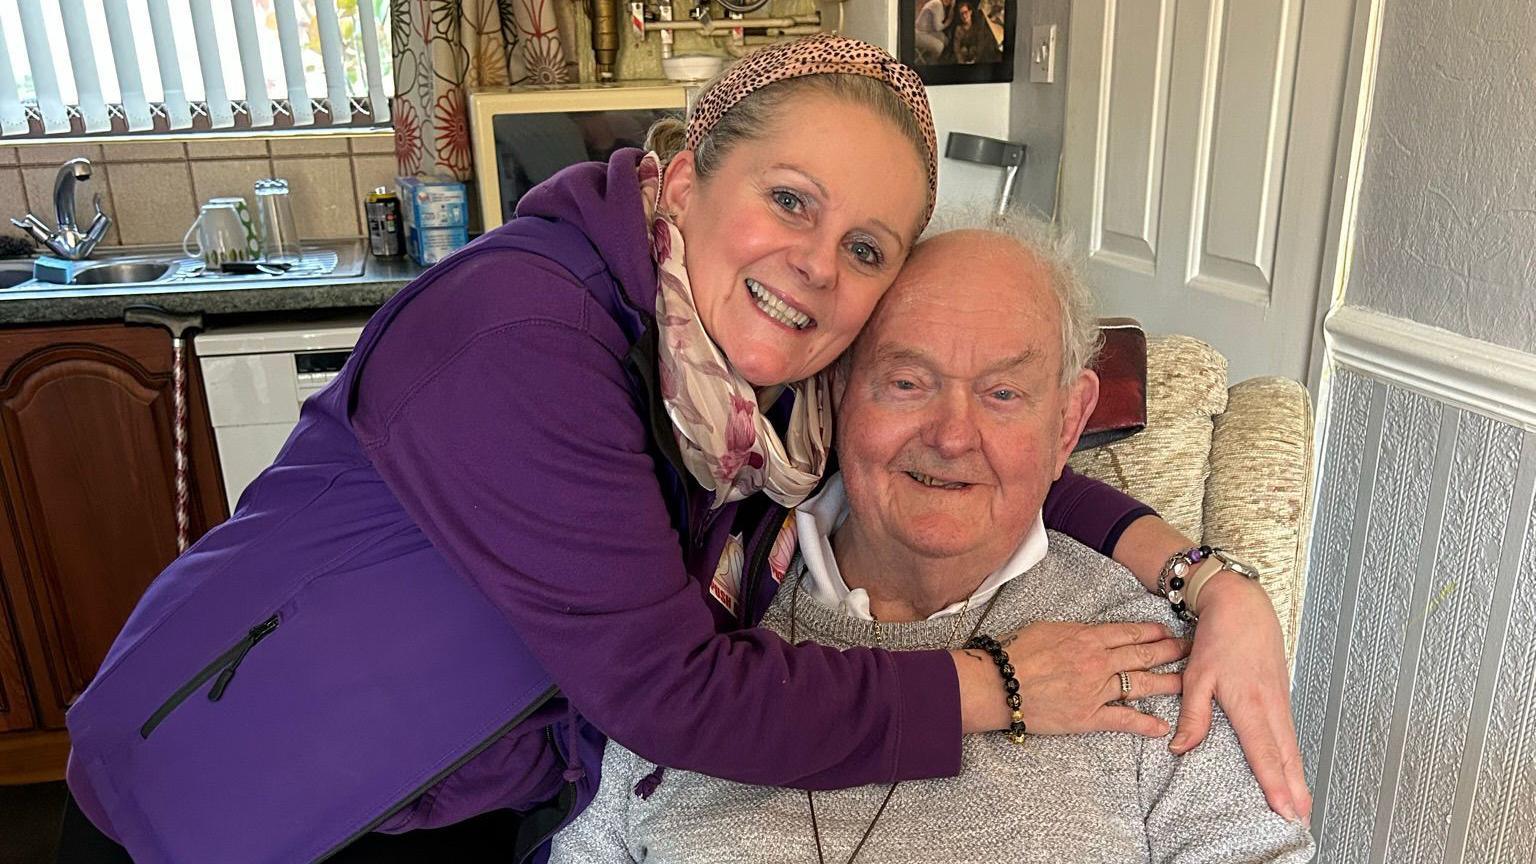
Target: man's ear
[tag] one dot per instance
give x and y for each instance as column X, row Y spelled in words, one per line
column 679, row 182
column 1082, row 397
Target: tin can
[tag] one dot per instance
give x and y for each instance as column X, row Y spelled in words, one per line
column 382, row 208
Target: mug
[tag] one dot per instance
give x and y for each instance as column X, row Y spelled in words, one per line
column 252, row 241
column 220, row 235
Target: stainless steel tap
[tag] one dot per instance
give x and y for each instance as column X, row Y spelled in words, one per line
column 66, row 239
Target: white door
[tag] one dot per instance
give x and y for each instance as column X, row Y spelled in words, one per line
column 1197, row 165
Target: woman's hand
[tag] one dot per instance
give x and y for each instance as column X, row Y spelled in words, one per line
column 1239, row 660
column 1068, row 676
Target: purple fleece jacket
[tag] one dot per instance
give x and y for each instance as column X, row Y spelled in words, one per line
column 545, row 494
column 482, row 505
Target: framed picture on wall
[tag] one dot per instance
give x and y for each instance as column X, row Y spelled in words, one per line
column 958, row 41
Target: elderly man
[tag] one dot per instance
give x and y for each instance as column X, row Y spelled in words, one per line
column 958, row 406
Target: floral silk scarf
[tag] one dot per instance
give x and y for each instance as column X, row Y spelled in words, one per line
column 727, row 443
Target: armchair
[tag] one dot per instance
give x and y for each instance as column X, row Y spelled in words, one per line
column 1230, row 467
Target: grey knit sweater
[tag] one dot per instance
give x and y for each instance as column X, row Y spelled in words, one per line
column 1083, row 798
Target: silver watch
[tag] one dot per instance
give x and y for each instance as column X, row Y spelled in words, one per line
column 1236, row 566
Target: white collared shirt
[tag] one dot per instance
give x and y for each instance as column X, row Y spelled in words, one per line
column 818, row 518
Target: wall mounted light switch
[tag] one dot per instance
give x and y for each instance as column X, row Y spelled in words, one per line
column 1042, row 54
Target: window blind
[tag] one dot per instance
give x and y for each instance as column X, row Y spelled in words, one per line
column 101, row 66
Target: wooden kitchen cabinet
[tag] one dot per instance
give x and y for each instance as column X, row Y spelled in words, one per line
column 87, row 513
column 15, row 699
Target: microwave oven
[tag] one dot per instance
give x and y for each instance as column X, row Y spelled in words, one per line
column 521, row 136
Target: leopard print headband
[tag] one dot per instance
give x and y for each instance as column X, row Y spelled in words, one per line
column 824, row 53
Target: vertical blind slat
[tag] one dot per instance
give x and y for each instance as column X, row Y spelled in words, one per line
column 40, row 61
column 125, row 57
column 378, row 100
column 330, row 52
column 113, row 50
column 220, row 114
column 13, row 117
column 177, row 112
column 293, row 62
column 82, row 61
column 256, row 100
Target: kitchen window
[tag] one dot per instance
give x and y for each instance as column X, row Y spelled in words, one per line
column 83, row 67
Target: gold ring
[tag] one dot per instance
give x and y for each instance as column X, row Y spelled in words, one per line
column 1125, row 685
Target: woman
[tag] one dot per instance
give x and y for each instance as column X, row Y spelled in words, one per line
column 928, row 30
column 884, row 562
column 970, row 37
column 494, row 535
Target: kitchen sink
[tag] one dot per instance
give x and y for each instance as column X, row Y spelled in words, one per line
column 14, row 271
column 167, row 265
column 122, row 272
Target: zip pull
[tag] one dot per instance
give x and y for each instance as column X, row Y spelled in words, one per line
column 258, row 633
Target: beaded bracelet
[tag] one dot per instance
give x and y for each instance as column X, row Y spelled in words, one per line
column 1016, row 729
column 1170, row 582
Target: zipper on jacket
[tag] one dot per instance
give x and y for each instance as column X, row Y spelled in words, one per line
column 224, row 666
column 458, row 763
column 768, row 534
column 258, row 633
column 704, row 517
column 565, row 799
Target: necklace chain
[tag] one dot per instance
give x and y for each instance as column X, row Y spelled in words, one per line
column 810, row 798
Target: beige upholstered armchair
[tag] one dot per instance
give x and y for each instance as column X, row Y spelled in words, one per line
column 1230, row 467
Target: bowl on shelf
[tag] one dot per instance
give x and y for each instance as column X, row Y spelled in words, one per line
column 691, row 67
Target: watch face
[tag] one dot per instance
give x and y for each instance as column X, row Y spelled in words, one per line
column 1235, row 565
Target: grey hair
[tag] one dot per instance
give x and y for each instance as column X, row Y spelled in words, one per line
column 1054, row 250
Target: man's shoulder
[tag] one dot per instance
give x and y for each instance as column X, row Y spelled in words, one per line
column 1108, row 590
column 1079, row 562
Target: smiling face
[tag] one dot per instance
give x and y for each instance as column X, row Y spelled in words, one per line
column 952, row 422
column 797, row 234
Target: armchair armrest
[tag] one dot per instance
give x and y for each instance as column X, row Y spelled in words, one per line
column 1259, row 492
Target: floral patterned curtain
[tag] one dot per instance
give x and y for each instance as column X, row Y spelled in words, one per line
column 443, row 47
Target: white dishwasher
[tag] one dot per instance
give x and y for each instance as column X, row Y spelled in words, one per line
column 256, row 377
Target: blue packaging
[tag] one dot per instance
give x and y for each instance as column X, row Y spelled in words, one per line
column 436, row 217
column 431, row 245
column 427, row 202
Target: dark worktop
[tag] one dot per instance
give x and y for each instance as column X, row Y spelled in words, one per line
column 381, row 278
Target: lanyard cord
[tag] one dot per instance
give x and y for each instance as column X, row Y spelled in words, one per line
column 810, row 798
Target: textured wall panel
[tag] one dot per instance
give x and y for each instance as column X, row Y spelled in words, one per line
column 1393, row 540
column 1349, row 402
column 1455, row 624
column 1415, row 686
column 1503, row 819
column 1445, row 234
column 1423, row 580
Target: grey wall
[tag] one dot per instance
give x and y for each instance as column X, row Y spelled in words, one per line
column 1415, row 689
column 1447, row 220
column 1037, row 112
column 1415, row 694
